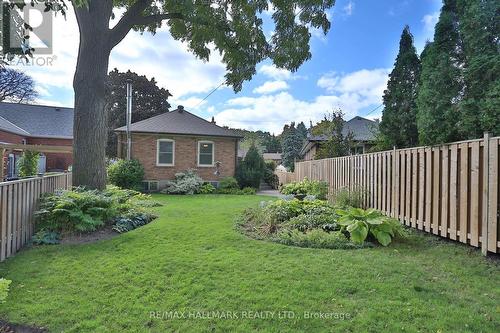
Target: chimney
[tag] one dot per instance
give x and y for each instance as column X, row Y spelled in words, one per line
column 129, row 117
column 180, row 108
column 213, row 120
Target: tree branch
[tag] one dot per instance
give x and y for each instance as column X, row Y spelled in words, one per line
column 127, row 21
column 146, row 20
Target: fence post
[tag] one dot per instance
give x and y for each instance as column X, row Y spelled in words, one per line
column 486, row 187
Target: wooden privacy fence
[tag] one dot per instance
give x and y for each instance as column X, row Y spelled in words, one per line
column 285, row 177
column 18, row 201
column 449, row 190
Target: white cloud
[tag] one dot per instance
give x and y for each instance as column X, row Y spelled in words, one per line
column 271, row 86
column 274, row 72
column 349, row 8
column 366, row 83
column 350, row 92
column 429, row 22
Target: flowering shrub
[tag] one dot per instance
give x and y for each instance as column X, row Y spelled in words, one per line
column 187, row 182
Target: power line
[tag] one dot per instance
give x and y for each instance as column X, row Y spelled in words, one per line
column 220, row 85
column 378, row 107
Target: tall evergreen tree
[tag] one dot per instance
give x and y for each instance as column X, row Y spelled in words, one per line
column 480, row 30
column 291, row 143
column 302, row 130
column 399, row 120
column 441, row 82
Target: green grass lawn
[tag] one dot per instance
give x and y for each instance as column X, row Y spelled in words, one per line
column 192, row 260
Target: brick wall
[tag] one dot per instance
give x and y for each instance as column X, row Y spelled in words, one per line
column 186, row 150
column 55, row 161
column 7, row 137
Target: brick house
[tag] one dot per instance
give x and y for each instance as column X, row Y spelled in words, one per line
column 179, row 140
column 36, row 125
column 364, row 134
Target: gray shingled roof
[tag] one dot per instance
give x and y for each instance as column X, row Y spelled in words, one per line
column 36, row 120
column 361, row 128
column 179, row 121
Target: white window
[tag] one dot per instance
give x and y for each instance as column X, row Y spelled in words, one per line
column 205, row 153
column 165, row 152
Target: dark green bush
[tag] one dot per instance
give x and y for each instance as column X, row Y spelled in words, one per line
column 126, row 174
column 269, row 177
column 250, row 171
column 228, row 183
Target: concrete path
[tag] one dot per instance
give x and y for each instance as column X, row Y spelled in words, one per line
column 271, row 193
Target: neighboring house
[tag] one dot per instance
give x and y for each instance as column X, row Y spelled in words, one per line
column 36, row 125
column 179, row 140
column 275, row 157
column 364, row 132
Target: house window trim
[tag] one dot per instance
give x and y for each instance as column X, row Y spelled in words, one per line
column 158, row 153
column 213, row 154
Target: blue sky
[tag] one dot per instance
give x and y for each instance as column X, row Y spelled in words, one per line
column 348, row 69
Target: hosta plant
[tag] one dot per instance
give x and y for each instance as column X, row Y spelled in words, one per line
column 361, row 223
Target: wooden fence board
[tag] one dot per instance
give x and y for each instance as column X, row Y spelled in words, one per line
column 18, row 201
column 450, row 190
column 464, row 192
column 474, row 198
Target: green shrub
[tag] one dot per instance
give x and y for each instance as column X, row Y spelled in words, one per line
column 361, row 223
column 187, row 182
column 250, row 171
column 316, row 223
column 248, row 191
column 270, row 177
column 82, row 210
column 28, row 163
column 45, row 237
column 126, row 174
column 206, row 188
column 317, row 188
column 227, row 183
column 4, row 289
column 345, row 197
column 316, row 239
column 304, row 222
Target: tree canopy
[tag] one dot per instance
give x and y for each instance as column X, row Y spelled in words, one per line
column 16, row 86
column 399, row 126
column 148, row 100
column 336, row 144
column 235, row 29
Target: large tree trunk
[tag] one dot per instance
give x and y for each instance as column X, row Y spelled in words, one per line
column 89, row 132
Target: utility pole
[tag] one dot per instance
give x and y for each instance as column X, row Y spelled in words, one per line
column 129, row 117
